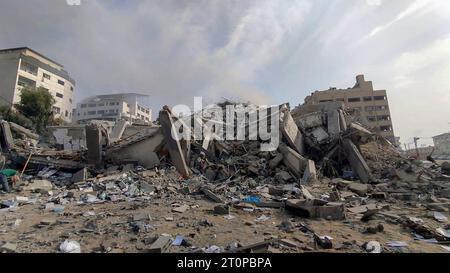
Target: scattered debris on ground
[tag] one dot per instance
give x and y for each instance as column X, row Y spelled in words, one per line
column 331, row 185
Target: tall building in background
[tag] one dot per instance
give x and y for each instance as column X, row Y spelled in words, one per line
column 113, row 107
column 24, row 67
column 371, row 105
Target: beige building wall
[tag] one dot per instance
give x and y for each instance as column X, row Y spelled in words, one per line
column 371, row 105
column 442, row 144
column 23, row 67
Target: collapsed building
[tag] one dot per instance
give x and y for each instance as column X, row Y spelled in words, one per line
column 325, row 165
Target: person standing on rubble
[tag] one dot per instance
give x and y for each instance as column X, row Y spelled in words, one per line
column 8, row 174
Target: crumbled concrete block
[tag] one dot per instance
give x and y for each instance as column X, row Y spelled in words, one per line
column 358, row 188
column 310, row 174
column 161, row 245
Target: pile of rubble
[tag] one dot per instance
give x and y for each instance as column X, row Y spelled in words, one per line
column 326, row 167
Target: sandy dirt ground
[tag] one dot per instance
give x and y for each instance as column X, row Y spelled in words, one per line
column 108, row 227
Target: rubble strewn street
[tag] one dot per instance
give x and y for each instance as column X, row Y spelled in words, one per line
column 331, row 186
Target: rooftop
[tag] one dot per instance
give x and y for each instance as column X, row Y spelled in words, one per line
column 7, row 50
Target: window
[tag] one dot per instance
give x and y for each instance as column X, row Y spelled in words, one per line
column 61, row 82
column 67, row 113
column 111, row 111
column 354, row 99
column 379, row 98
column 367, row 98
column 101, row 112
column 117, row 103
column 112, row 103
column 369, row 108
column 340, row 99
column 385, row 128
column 56, row 110
column 83, row 106
column 101, row 104
column 46, row 76
column 70, row 100
column 71, row 88
column 59, row 95
column 92, row 105
column 25, row 82
column 32, row 69
column 117, row 110
column 92, row 112
column 371, row 118
column 325, row 100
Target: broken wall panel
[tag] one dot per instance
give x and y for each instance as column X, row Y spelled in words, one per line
column 292, row 134
column 177, row 154
column 356, row 161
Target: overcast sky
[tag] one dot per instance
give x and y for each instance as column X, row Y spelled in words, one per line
column 263, row 51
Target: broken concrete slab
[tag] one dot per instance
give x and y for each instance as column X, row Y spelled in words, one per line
column 310, row 120
column 39, row 185
column 211, row 195
column 306, row 194
column 358, row 188
column 161, row 245
column 293, row 160
column 274, row 162
column 176, row 152
column 316, row 209
column 94, row 145
column 334, row 125
column 118, row 130
column 364, row 208
column 181, row 209
column 356, row 161
column 23, row 130
column 292, row 134
column 320, row 134
column 310, row 175
column 259, row 247
column 6, row 137
column 342, row 120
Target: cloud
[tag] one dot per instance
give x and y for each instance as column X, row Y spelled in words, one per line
column 266, row 51
column 416, row 6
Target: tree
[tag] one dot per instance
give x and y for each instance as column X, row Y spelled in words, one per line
column 37, row 106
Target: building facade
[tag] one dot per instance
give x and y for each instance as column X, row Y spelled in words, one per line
column 442, row 144
column 113, row 107
column 371, row 106
column 24, row 67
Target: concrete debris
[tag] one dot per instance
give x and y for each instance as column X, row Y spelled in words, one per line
column 124, row 185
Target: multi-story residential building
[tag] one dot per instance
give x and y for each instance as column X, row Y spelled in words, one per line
column 113, row 107
column 442, row 144
column 24, row 67
column 371, row 105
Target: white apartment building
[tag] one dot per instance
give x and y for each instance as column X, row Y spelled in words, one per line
column 24, row 67
column 113, row 107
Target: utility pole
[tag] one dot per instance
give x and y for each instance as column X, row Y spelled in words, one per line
column 415, row 144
